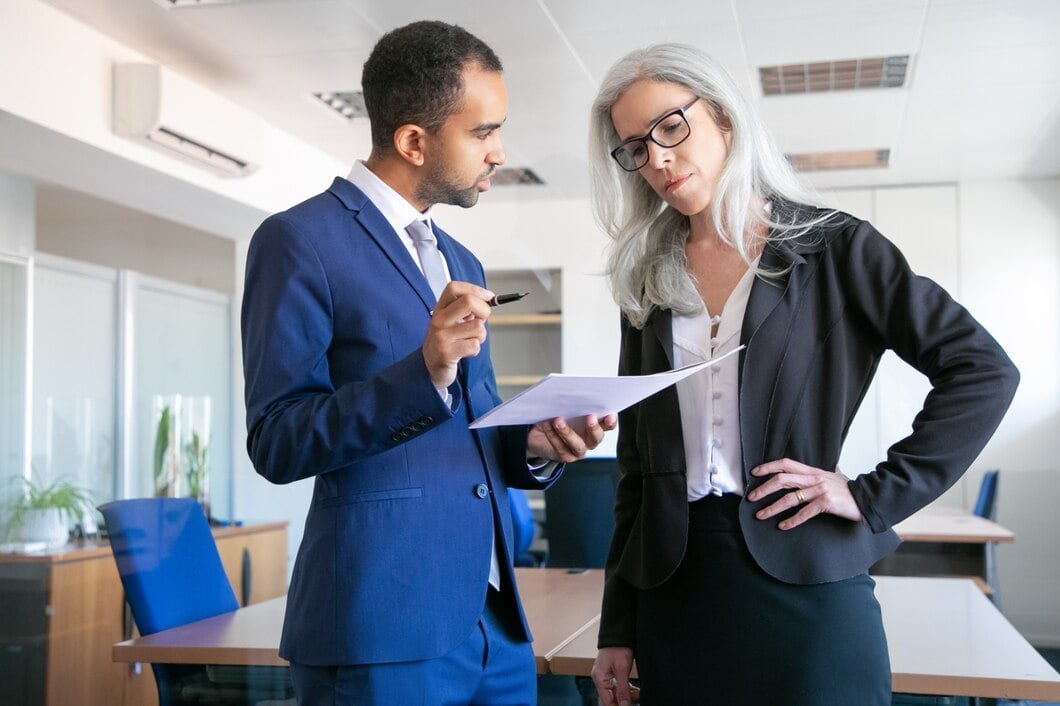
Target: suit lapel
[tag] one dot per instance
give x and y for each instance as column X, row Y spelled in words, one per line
column 457, row 273
column 390, row 243
column 760, row 361
column 660, row 321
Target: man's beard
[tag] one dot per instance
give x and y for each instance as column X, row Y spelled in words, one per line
column 438, row 186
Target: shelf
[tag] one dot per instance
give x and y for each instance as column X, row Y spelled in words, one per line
column 518, row 380
column 526, row 319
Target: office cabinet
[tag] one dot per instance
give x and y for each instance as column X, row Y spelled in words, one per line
column 61, row 611
column 525, row 336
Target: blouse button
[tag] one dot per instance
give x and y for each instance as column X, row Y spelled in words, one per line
column 717, row 421
column 716, row 443
column 715, row 320
column 716, row 395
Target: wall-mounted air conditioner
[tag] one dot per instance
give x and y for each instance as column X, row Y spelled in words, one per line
column 158, row 106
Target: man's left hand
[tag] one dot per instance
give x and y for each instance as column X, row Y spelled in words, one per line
column 557, row 440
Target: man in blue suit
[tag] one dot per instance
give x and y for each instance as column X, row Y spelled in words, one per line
column 366, row 356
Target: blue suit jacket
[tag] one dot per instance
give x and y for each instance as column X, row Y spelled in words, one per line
column 394, row 562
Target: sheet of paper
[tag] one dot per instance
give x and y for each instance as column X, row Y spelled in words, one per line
column 571, row 396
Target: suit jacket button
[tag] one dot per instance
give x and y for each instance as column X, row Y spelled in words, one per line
column 482, row 490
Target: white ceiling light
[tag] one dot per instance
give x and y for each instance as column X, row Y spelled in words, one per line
column 852, row 159
column 516, row 176
column 349, row 105
column 876, row 72
column 178, row 4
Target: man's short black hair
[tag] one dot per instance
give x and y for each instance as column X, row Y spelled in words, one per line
column 414, row 75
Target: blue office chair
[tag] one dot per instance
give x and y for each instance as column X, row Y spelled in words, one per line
column 580, row 514
column 986, row 503
column 172, row 575
column 986, row 507
column 523, row 526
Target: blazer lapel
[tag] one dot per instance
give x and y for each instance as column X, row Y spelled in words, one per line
column 457, row 273
column 660, row 321
column 379, row 230
column 390, row 243
column 760, row 361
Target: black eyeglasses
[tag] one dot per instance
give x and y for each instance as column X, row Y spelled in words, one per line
column 668, row 131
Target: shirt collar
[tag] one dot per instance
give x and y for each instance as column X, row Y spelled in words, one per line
column 395, row 209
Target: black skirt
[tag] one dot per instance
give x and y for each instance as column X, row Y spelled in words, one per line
column 722, row 631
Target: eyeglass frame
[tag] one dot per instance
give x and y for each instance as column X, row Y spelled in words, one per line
column 648, row 135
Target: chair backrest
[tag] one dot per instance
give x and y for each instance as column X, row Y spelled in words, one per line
column 986, row 503
column 580, row 514
column 522, row 524
column 168, row 562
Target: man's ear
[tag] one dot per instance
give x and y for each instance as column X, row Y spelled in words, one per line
column 409, row 143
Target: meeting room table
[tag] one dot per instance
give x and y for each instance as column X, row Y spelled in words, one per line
column 945, row 637
column 947, row 541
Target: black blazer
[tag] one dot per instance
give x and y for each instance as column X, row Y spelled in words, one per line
column 814, row 337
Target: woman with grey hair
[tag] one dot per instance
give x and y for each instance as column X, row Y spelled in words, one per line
column 738, row 568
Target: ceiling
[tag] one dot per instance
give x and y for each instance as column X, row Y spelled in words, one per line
column 982, row 99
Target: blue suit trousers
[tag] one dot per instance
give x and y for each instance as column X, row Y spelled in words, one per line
column 492, row 667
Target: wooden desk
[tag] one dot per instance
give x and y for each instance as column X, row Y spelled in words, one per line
column 944, row 638
column 945, row 525
column 941, row 541
column 559, row 606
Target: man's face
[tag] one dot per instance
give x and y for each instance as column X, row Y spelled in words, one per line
column 467, row 149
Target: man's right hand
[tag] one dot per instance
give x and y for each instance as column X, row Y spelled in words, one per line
column 611, row 676
column 457, row 330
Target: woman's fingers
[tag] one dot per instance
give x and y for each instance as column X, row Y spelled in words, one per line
column 789, row 500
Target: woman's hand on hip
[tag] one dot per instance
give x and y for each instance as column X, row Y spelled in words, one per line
column 611, row 676
column 816, row 490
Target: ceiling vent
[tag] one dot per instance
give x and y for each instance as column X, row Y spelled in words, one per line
column 348, row 105
column 156, row 106
column 516, row 176
column 878, row 72
column 855, row 159
column 178, row 4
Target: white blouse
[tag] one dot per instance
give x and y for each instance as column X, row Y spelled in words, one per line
column 709, row 400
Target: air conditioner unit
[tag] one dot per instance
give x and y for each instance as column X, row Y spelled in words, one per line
column 155, row 105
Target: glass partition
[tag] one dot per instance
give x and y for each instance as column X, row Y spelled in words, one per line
column 182, row 399
column 75, row 343
column 14, row 278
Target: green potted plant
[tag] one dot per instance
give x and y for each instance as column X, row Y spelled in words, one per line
column 43, row 512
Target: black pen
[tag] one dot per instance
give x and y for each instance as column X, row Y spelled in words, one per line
column 499, row 299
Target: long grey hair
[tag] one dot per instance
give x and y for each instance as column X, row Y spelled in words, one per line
column 646, row 260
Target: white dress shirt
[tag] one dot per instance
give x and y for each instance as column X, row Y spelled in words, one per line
column 710, row 400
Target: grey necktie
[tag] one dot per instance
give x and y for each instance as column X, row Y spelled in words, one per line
column 431, row 262
column 430, row 259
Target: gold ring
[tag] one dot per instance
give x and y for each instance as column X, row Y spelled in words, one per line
column 799, row 495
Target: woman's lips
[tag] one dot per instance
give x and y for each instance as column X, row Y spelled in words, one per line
column 676, row 183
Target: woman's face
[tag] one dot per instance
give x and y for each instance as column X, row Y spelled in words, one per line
column 685, row 176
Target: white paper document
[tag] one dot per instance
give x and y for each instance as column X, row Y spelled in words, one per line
column 571, row 396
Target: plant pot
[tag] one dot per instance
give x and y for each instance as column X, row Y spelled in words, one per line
column 44, row 525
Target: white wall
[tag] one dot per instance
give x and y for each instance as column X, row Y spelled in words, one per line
column 17, row 214
column 83, row 228
column 995, row 246
column 1010, row 268
column 55, row 126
